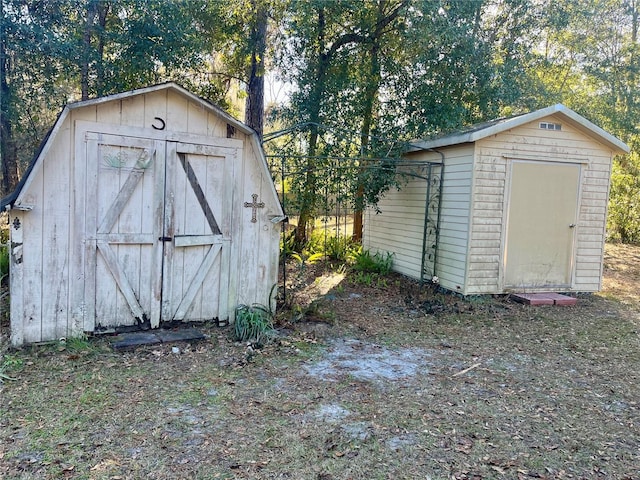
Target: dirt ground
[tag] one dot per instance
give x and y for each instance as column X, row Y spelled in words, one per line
column 368, row 378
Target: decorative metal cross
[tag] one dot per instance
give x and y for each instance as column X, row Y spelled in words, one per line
column 254, row 205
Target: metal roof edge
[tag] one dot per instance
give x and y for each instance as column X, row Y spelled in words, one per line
column 605, row 136
column 500, row 126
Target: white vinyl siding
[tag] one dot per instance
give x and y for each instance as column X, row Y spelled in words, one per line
column 399, row 228
column 470, row 257
column 530, row 142
column 483, row 267
column 455, row 208
column 592, row 220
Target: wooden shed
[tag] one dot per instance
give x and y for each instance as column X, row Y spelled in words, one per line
column 512, row 205
column 141, row 209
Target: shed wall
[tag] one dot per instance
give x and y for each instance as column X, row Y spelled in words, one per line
column 40, row 249
column 399, row 228
column 489, row 200
column 454, row 217
column 43, row 254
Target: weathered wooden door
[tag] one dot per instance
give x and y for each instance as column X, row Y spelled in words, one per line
column 543, row 207
column 157, row 216
column 197, row 225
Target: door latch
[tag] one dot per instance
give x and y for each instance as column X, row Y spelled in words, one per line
column 165, row 239
column 572, row 225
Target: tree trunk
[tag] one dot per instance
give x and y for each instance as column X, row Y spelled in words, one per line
column 86, row 49
column 103, row 12
column 309, row 195
column 254, row 109
column 306, row 213
column 370, row 96
column 371, row 93
column 8, row 151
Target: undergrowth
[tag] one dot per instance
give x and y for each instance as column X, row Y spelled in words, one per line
column 368, row 262
column 342, row 249
column 255, row 323
column 9, row 364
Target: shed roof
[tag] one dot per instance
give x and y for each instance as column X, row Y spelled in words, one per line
column 8, row 201
column 486, row 129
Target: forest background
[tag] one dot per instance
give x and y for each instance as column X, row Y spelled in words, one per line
column 358, row 79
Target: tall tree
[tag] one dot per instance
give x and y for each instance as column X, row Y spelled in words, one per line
column 386, row 21
column 79, row 49
column 331, row 40
column 254, row 110
column 29, row 74
column 8, row 154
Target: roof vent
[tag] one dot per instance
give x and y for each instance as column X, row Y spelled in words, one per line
column 550, row 126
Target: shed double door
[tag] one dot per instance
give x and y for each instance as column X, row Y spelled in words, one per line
column 157, row 216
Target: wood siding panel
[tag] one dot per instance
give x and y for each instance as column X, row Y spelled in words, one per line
column 16, row 283
column 57, row 266
column 33, row 240
column 133, row 111
column 216, row 127
column 177, row 107
column 155, row 106
column 56, row 238
column 198, row 119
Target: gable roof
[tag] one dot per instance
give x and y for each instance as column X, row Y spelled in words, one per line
column 8, row 201
column 483, row 130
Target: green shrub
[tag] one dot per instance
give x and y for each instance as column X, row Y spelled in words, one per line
column 320, row 245
column 315, row 243
column 4, row 262
column 623, row 219
column 378, row 263
column 253, row 323
column 287, row 242
column 9, row 363
column 342, row 248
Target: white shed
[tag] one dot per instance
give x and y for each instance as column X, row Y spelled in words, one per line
column 514, row 205
column 141, row 209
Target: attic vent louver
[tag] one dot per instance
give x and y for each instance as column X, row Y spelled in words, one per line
column 550, row 126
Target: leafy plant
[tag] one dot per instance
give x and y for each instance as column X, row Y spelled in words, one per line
column 623, row 220
column 319, row 246
column 4, row 262
column 367, row 262
column 287, row 242
column 77, row 344
column 341, row 248
column 253, row 323
column 9, row 363
column 370, row 279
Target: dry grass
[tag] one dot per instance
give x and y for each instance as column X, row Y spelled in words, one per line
column 622, row 273
column 373, row 383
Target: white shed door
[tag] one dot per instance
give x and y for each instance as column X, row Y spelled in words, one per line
column 157, row 216
column 543, row 206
